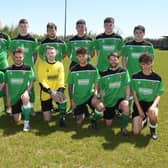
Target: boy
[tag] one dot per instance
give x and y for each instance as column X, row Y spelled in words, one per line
column 146, row 87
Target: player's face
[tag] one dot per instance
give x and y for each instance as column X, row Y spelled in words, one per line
column 114, row 61
column 139, row 35
column 147, row 67
column 23, row 28
column 52, row 32
column 81, row 29
column 82, row 58
column 51, row 53
column 18, row 59
column 108, row 27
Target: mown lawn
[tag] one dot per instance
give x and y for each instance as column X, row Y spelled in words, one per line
column 49, row 146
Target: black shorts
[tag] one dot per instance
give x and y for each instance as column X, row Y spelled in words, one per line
column 16, row 108
column 109, row 113
column 144, row 105
column 82, row 108
column 46, row 105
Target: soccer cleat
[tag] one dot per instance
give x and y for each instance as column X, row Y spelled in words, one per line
column 153, row 133
column 62, row 123
column 26, row 127
column 94, row 124
column 124, row 132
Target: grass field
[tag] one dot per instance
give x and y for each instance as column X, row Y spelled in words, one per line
column 81, row 146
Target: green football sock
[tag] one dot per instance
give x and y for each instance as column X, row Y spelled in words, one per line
column 124, row 120
column 26, row 109
column 96, row 115
column 62, row 110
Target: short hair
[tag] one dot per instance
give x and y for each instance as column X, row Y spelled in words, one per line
column 81, row 50
column 50, row 48
column 145, row 58
column 109, row 20
column 23, row 21
column 51, row 25
column 114, row 54
column 18, row 50
column 139, row 27
column 81, row 21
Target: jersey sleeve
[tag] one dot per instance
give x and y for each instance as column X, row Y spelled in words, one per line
column 41, row 74
column 2, row 77
column 124, row 51
column 70, row 78
column 127, row 78
column 61, row 76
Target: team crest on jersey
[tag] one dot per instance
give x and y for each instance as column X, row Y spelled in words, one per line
column 77, row 74
column 139, row 82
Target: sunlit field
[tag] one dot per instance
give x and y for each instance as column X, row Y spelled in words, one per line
column 49, row 146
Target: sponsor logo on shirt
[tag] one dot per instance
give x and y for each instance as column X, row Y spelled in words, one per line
column 17, row 80
column 114, row 85
column 108, row 47
column 145, row 91
column 83, row 81
column 26, row 50
column 136, row 55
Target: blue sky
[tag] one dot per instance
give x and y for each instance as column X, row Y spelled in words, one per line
column 127, row 13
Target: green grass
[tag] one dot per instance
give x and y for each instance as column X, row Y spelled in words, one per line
column 80, row 146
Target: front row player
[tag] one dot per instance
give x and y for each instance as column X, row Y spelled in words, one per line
column 115, row 91
column 51, row 79
column 146, row 88
column 19, row 80
column 82, row 84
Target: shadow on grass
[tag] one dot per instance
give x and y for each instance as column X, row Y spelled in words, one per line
column 8, row 126
column 111, row 134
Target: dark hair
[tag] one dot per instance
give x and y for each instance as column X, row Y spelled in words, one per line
column 51, row 25
column 81, row 50
column 18, row 50
column 81, row 21
column 23, row 21
column 145, row 58
column 109, row 20
column 113, row 55
column 50, row 48
column 139, row 27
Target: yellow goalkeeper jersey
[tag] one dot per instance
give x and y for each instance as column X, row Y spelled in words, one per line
column 50, row 76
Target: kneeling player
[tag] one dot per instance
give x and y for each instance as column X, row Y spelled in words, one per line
column 115, row 91
column 146, row 87
column 83, row 81
column 51, row 78
column 19, row 80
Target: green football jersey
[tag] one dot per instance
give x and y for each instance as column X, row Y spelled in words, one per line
column 4, row 46
column 18, row 80
column 2, row 92
column 56, row 43
column 76, row 42
column 147, row 87
column 83, row 80
column 29, row 44
column 132, row 51
column 114, row 83
column 106, row 44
